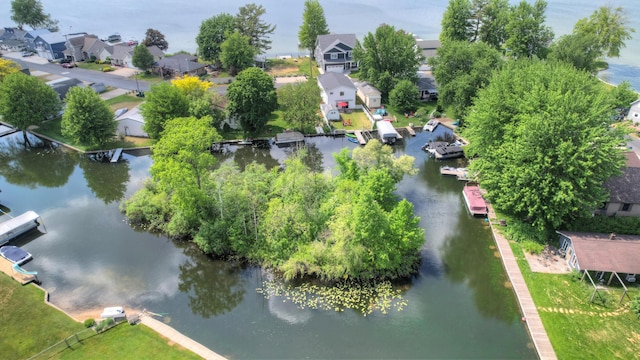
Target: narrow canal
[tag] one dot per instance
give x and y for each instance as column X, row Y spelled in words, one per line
column 459, row 304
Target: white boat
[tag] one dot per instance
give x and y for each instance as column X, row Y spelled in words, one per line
column 116, row 313
column 18, row 225
column 431, row 125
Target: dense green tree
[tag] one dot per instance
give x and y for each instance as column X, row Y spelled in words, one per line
column 31, row 13
column 8, row 67
column 314, row 23
column 579, row 50
column 544, row 147
column 387, row 57
column 155, row 37
column 252, row 98
column 26, row 101
column 213, row 32
column 461, row 69
column 494, row 20
column 299, row 105
column 623, row 95
column 528, row 36
column 610, row 28
column 162, row 102
column 181, row 163
column 236, row 54
column 404, row 95
column 142, row 58
column 87, row 118
column 457, row 22
column 249, row 24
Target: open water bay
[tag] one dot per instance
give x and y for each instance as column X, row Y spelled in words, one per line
column 459, row 304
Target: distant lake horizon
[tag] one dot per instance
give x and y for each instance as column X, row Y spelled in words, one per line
column 180, row 24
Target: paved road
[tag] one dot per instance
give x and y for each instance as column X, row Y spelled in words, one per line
column 93, row 76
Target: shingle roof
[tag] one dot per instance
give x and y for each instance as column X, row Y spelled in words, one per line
column 121, row 51
column 52, row 38
column 180, row 62
column 325, row 41
column 596, row 251
column 625, row 189
column 331, row 80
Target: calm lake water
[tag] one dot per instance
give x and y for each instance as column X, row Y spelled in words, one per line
column 458, row 304
column 180, row 22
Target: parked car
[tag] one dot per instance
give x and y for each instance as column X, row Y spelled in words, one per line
column 27, row 53
column 69, row 65
column 65, row 60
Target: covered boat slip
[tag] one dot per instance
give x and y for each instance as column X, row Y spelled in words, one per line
column 18, row 225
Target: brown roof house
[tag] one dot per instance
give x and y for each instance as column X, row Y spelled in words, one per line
column 624, row 191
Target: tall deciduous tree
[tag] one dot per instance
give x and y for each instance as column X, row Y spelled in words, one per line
column 579, row 50
column 26, row 101
column 213, row 32
column 528, row 36
column 456, row 22
column 249, row 23
column 236, row 53
column 387, row 57
column 155, row 37
column 252, row 98
column 299, row 104
column 191, row 86
column 8, row 67
column 495, row 17
column 163, row 102
column 87, row 118
column 461, row 69
column 31, row 13
column 142, row 58
column 623, row 95
column 313, row 24
column 610, row 28
column 542, row 154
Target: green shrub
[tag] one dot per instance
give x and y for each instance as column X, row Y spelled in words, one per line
column 107, row 69
column 635, row 306
column 437, row 114
column 89, row 323
column 532, row 247
column 105, row 324
column 607, row 224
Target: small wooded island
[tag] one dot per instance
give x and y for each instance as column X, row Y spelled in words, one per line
column 295, row 219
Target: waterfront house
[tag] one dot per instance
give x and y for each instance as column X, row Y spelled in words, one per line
column 634, row 112
column 427, row 89
column 179, row 65
column 131, row 123
column 30, row 36
column 337, row 90
column 51, row 46
column 624, row 190
column 12, row 39
column 334, row 52
column 95, row 48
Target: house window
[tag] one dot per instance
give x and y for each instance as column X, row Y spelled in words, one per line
column 349, row 54
column 341, row 93
column 625, row 207
column 334, row 56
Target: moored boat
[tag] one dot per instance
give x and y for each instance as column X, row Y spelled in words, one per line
column 474, row 200
column 431, row 125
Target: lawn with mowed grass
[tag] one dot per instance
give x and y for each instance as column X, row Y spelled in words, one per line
column 29, row 326
column 579, row 329
column 124, row 101
column 358, row 120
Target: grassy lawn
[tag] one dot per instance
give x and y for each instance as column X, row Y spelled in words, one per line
column 150, row 78
column 124, row 101
column 126, row 342
column 92, row 66
column 292, row 66
column 27, row 324
column 402, row 121
column 358, row 119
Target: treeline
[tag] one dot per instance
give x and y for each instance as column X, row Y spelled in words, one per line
column 300, row 222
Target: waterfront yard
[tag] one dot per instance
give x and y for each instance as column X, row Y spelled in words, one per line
column 291, row 67
column 28, row 326
column 579, row 329
column 357, row 120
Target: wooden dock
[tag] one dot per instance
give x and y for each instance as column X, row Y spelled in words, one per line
column 7, row 267
column 410, row 131
column 530, row 314
column 116, row 155
column 360, row 138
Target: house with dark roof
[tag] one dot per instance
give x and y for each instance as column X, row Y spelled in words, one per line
column 51, row 45
column 12, row 39
column 30, row 36
column 62, row 86
column 624, row 190
column 429, row 48
column 427, row 89
column 334, row 52
column 179, row 65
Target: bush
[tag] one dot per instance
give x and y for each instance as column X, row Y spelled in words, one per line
column 437, row 114
column 89, row 323
column 107, row 69
column 105, row 324
column 607, row 224
column 635, row 306
column 532, row 247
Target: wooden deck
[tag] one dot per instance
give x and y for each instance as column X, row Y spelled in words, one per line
column 360, row 138
column 529, row 311
column 116, row 155
column 410, row 131
column 177, row 337
column 5, row 266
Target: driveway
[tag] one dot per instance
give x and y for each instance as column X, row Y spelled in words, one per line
column 17, row 55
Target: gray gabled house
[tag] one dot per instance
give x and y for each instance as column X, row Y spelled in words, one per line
column 334, row 52
column 51, row 45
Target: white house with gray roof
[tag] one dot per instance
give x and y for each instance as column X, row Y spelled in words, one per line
column 334, row 52
column 337, row 90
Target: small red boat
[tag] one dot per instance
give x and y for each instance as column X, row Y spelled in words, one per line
column 475, row 203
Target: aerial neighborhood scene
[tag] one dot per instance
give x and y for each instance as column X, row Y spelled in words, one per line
column 453, row 179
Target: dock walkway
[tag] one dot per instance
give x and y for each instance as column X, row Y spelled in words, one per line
column 177, row 337
column 530, row 312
